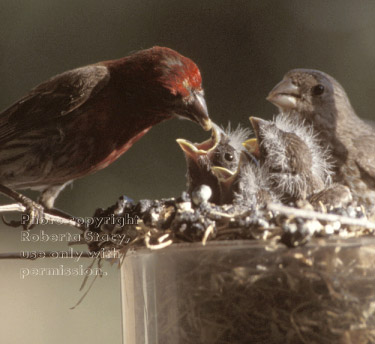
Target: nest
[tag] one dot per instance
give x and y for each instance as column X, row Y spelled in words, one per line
column 319, row 291
column 159, row 223
column 260, row 294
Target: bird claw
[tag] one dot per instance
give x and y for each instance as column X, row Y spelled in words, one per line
column 33, row 213
column 11, row 223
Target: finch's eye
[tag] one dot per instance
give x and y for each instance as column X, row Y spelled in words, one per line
column 317, row 90
column 228, row 157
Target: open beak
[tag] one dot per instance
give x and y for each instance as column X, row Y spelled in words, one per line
column 285, row 94
column 196, row 150
column 228, row 177
column 228, row 180
column 252, row 145
column 221, row 173
column 198, row 110
column 257, row 123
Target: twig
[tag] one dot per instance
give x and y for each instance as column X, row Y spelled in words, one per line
column 11, row 207
column 47, row 215
column 222, row 215
column 313, row 215
column 207, row 233
column 157, row 246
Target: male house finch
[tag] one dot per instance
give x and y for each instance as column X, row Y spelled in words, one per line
column 320, row 101
column 80, row 121
column 223, row 149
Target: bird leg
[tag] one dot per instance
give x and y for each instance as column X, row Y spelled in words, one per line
column 50, row 215
column 33, row 209
column 49, row 195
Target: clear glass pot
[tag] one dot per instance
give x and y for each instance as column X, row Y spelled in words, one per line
column 251, row 292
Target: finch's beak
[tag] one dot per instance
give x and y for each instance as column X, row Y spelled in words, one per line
column 285, row 95
column 196, row 150
column 199, row 112
column 252, row 147
column 257, row 124
column 227, row 179
column 221, row 173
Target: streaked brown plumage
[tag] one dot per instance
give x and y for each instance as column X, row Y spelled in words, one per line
column 333, row 196
column 319, row 100
column 80, row 121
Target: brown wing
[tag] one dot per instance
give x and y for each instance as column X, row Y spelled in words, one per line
column 58, row 96
column 365, row 158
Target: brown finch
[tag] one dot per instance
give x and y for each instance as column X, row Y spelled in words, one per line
column 80, row 121
column 319, row 100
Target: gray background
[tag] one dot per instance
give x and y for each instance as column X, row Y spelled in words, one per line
column 243, row 48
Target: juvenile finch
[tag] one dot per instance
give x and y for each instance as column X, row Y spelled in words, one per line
column 295, row 164
column 333, row 196
column 80, row 121
column 247, row 186
column 321, row 101
column 223, row 149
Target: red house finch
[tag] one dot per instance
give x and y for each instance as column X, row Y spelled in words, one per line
column 222, row 149
column 80, row 121
column 320, row 101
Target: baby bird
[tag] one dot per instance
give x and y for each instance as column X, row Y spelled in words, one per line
column 295, row 164
column 246, row 186
column 320, row 101
column 223, row 149
column 334, row 196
